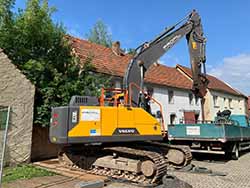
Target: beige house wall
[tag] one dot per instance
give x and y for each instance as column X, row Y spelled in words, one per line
column 207, row 107
column 238, row 107
column 219, row 101
column 18, row 92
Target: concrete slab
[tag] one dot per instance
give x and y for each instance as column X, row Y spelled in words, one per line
column 90, row 184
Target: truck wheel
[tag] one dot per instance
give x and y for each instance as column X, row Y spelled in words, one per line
column 236, row 152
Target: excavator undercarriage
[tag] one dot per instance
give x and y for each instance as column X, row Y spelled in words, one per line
column 145, row 163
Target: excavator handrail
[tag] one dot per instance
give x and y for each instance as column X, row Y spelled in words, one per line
column 151, row 98
column 103, row 99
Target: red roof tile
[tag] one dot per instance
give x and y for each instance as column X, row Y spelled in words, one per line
column 214, row 83
column 105, row 61
column 168, row 76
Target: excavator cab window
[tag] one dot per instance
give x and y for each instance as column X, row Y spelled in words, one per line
column 147, row 102
column 158, row 114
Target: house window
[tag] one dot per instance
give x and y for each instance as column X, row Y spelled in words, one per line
column 197, row 101
column 231, row 103
column 170, row 97
column 225, row 103
column 239, row 104
column 197, row 117
column 191, row 98
column 216, row 102
column 172, row 119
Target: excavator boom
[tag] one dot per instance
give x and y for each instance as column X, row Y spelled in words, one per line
column 149, row 53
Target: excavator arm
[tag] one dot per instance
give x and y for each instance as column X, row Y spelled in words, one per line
column 149, row 52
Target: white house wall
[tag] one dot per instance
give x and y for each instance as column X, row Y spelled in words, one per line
column 181, row 103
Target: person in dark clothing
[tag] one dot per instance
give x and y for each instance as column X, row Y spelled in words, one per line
column 147, row 102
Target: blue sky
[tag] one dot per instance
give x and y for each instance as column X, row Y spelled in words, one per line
column 226, row 25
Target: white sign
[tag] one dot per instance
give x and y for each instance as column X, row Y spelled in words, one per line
column 90, row 115
column 171, row 42
column 193, row 130
column 74, row 117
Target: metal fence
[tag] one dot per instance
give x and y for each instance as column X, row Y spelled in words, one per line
column 4, row 124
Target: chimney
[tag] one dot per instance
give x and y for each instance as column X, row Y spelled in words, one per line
column 116, row 48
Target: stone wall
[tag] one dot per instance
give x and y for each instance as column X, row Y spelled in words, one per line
column 18, row 92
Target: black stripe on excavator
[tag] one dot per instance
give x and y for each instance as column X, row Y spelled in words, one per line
column 116, row 138
column 126, row 131
column 74, row 116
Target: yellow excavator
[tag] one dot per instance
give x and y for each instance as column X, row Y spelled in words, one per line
column 116, row 135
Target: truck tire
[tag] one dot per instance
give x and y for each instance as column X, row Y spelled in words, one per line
column 232, row 152
column 236, row 152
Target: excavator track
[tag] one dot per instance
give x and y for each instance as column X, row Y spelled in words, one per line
column 148, row 162
column 177, row 156
column 186, row 156
column 146, row 154
column 149, row 159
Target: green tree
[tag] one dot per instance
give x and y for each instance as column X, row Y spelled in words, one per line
column 5, row 11
column 99, row 34
column 41, row 51
column 6, row 20
column 131, row 51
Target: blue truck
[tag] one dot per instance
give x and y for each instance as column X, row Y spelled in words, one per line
column 228, row 134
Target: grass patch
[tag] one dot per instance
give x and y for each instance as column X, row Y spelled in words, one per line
column 24, row 172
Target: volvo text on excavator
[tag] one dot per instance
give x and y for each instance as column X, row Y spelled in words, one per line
column 116, row 135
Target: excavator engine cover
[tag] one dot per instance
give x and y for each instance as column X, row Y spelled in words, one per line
column 100, row 124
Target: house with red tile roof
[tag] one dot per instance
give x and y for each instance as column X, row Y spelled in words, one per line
column 220, row 96
column 248, row 105
column 168, row 85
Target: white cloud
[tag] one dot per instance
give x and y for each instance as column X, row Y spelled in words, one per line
column 235, row 71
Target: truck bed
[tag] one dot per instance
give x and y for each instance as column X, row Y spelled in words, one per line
column 208, row 132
